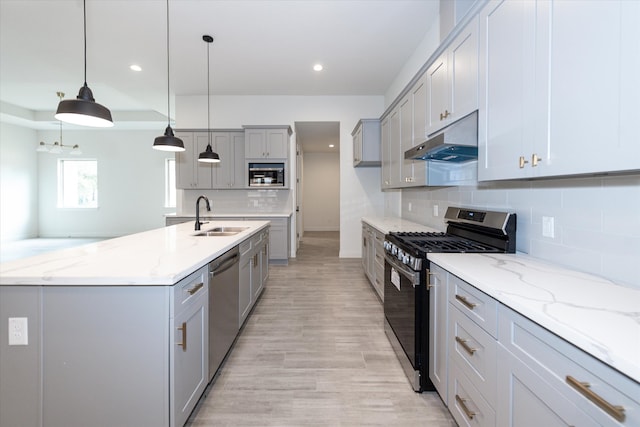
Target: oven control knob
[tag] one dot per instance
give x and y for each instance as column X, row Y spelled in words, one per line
column 400, row 255
column 394, row 249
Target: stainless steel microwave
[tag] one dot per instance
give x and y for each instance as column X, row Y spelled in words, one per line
column 266, row 174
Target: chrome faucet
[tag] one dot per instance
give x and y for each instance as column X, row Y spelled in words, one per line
column 198, row 223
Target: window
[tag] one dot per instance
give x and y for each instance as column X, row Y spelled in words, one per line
column 77, row 183
column 170, row 183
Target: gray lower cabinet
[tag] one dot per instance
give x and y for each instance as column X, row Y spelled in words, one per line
column 505, row 370
column 438, row 336
column 373, row 257
column 254, row 271
column 105, row 355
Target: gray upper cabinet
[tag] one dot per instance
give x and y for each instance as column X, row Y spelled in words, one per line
column 228, row 174
column 366, row 143
column 191, row 174
column 547, row 109
column 452, row 80
column 267, row 142
column 385, row 147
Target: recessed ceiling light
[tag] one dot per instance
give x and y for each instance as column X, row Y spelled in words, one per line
column 331, row 145
column 318, row 67
column 135, row 67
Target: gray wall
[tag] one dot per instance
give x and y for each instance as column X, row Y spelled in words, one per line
column 321, row 200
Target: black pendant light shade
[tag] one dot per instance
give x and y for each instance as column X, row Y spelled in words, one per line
column 84, row 110
column 168, row 142
column 208, row 155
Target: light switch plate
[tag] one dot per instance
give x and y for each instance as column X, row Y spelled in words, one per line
column 18, row 331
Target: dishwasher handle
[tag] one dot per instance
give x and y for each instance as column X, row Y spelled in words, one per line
column 224, row 265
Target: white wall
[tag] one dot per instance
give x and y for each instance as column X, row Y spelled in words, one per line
column 321, row 189
column 360, row 193
column 130, row 184
column 597, row 219
column 18, row 183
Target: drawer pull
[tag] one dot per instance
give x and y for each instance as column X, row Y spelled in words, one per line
column 464, row 345
column 183, row 344
column 463, row 406
column 195, row 289
column 470, row 305
column 429, row 284
column 615, row 411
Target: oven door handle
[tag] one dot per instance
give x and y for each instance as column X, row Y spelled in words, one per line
column 414, row 277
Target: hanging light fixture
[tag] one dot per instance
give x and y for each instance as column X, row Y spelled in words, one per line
column 84, row 110
column 208, row 156
column 58, row 147
column 168, row 142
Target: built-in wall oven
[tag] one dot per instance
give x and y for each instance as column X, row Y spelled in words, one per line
column 266, row 174
column 406, row 294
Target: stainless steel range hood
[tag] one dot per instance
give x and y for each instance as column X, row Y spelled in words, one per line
column 457, row 143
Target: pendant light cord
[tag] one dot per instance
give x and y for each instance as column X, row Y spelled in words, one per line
column 84, row 13
column 168, row 76
column 208, row 95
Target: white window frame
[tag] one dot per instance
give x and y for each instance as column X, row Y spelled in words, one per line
column 62, row 203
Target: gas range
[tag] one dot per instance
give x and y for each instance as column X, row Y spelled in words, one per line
column 406, row 267
column 467, row 231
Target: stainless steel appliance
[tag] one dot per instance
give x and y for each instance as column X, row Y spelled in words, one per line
column 224, row 274
column 406, row 297
column 266, row 174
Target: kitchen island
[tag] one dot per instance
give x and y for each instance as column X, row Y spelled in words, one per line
column 106, row 329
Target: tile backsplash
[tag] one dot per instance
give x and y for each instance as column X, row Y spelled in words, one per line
column 587, row 224
column 236, row 201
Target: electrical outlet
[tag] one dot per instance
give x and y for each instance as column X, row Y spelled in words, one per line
column 548, row 227
column 18, row 331
column 435, row 210
column 410, row 206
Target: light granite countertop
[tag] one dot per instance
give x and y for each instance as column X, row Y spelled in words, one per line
column 157, row 257
column 207, row 216
column 595, row 314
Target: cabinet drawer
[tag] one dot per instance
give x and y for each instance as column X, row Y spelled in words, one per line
column 185, row 292
column 466, row 403
column 478, row 306
column 474, row 352
column 564, row 366
column 245, row 247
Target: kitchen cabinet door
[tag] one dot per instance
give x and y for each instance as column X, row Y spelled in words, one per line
column 385, row 154
column 438, row 106
column 438, row 329
column 189, row 358
column 237, row 178
column 191, row 174
column 366, row 143
column 528, row 401
column 267, row 143
column 595, row 95
column 452, row 81
column 395, row 160
column 512, row 87
column 222, row 171
column 244, row 287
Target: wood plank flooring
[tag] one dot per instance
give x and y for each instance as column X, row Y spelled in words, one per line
column 314, row 353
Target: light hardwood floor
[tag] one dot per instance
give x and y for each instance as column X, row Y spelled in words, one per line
column 314, row 353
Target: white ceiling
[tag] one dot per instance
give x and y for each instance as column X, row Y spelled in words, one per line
column 261, row 47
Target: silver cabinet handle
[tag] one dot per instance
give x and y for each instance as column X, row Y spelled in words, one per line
column 196, row 288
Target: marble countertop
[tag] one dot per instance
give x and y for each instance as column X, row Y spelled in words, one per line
column 594, row 314
column 233, row 215
column 385, row 224
column 157, row 257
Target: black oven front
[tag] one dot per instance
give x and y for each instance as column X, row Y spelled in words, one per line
column 266, row 174
column 406, row 310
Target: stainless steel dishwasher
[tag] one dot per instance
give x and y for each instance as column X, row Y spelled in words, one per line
column 223, row 306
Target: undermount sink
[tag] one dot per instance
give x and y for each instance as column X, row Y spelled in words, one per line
column 221, row 231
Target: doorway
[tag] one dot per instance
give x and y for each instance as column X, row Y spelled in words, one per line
column 318, row 177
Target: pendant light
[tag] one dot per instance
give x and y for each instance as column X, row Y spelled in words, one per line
column 84, row 110
column 208, row 156
column 168, row 142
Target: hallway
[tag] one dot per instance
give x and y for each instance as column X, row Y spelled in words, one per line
column 314, row 353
